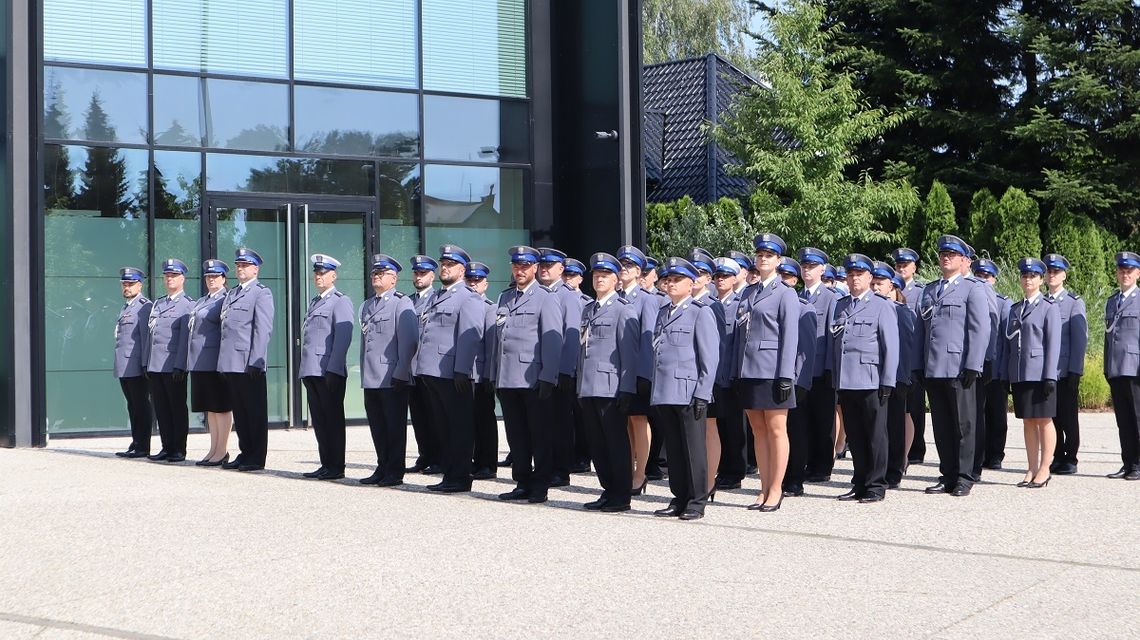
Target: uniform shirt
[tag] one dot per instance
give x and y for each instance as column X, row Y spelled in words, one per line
column 132, row 334
column 686, row 353
column 1122, row 334
column 1033, row 339
column 956, row 320
column 205, row 328
column 1074, row 332
column 169, row 333
column 607, row 358
column 326, row 334
column 247, row 324
column 389, row 333
column 865, row 343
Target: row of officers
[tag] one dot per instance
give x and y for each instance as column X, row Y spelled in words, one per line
column 722, row 357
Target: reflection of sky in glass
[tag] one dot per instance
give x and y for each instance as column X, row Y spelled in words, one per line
column 457, row 128
column 389, row 120
column 246, row 37
column 476, row 46
column 106, row 31
column 355, row 41
column 177, row 111
column 122, row 94
column 179, row 168
column 462, row 184
column 247, row 115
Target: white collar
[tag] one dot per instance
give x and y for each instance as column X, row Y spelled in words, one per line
column 767, row 283
column 1129, row 292
column 949, row 281
column 326, row 292
column 700, row 294
column 1057, row 296
column 1033, row 299
column 603, row 301
column 628, row 290
column 246, row 285
column 812, row 289
column 862, row 297
column 674, row 307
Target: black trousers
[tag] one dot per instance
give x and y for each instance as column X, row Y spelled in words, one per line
column 425, row 425
column 896, row 437
column 865, row 419
column 562, row 430
column 455, row 414
column 684, row 433
column 730, row 428
column 980, row 426
column 997, row 421
column 952, row 414
column 169, row 399
column 486, row 451
column 387, row 411
column 820, row 404
column 581, row 440
column 526, row 420
column 251, row 415
column 326, row 411
column 916, row 406
column 609, row 447
column 136, row 391
column 1126, row 406
column 656, row 446
column 797, row 445
column 1066, row 422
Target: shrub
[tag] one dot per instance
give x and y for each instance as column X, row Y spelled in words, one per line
column 1081, row 241
column 937, row 220
column 1018, row 235
column 1094, row 392
column 983, row 222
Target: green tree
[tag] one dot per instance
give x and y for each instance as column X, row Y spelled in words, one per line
column 676, row 29
column 1081, row 241
column 103, row 186
column 937, row 220
column 676, row 227
column 1018, row 232
column 984, row 222
column 797, row 135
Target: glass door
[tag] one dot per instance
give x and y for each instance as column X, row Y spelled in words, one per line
column 285, row 232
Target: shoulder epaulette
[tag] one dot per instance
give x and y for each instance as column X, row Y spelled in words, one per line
column 1049, row 300
column 338, row 294
column 1074, row 296
column 489, row 301
column 882, row 296
column 1002, row 296
column 143, row 300
column 261, row 285
column 803, row 300
column 920, row 285
column 621, row 300
column 699, row 302
column 397, row 294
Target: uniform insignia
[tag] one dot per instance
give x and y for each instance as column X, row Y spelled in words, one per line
column 397, row 294
column 882, row 296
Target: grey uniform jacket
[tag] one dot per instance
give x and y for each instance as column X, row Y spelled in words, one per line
column 805, row 358
column 1122, row 336
column 326, row 335
column 995, row 315
column 1001, row 364
column 205, row 333
column 169, row 334
column 529, row 338
column 131, row 337
column 485, row 359
column 1074, row 333
column 420, row 301
column 607, row 360
column 865, row 343
column 823, row 301
column 247, row 324
column 451, row 333
column 1033, row 338
column 647, row 304
column 389, row 333
column 910, row 344
column 957, row 327
column 767, row 332
column 686, row 352
column 726, row 314
column 913, row 294
column 570, row 301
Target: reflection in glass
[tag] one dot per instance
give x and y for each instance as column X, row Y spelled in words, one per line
column 247, row 115
column 246, row 38
column 477, row 46
column 356, row 122
column 476, row 130
column 370, row 42
column 98, row 31
column 177, row 198
column 89, row 104
column 400, row 188
column 274, row 174
column 178, row 111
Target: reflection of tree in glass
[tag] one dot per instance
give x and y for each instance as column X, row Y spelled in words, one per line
column 58, row 178
column 176, row 134
column 400, row 189
column 263, row 137
column 402, row 144
column 169, row 204
column 103, row 186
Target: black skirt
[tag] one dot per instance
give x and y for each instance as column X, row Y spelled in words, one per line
column 761, row 394
column 1029, row 400
column 208, row 392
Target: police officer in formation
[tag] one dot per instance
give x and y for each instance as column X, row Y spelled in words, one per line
column 725, row 408
column 131, row 337
column 886, row 282
column 424, row 423
column 1074, row 346
column 906, row 264
column 993, row 404
column 208, row 391
column 820, row 399
column 166, row 361
column 551, row 266
column 486, row 450
column 1122, row 361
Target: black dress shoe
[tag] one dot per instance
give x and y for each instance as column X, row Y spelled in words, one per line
column 375, row 478
column 668, row 512
column 655, row 475
column 580, row 467
column 850, row 496
column 1118, row 474
column 596, row 505
column 691, row 514
column 560, row 481
column 727, row 484
column 124, row 454
column 871, row 497
column 518, row 493
column 793, row 491
column 450, row 487
column 137, row 454
column 251, row 467
column 330, row 475
column 615, row 508
column 939, row 488
column 995, row 465
column 505, row 462
column 433, row 470
column 416, row 468
column 819, row 477
column 960, row 491
column 1065, row 469
column 537, row 498
column 893, row 485
column 914, row 461
column 176, row 457
column 485, row 473
column 390, row 482
column 159, row 457
column 314, row 474
column 232, row 464
column 1132, row 475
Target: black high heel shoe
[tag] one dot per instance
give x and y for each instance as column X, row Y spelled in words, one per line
column 1039, row 485
column 769, row 509
column 640, row 490
column 217, row 463
column 712, row 495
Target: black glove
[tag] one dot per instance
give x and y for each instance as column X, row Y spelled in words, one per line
column 800, row 393
column 486, row 386
column 545, row 390
column 179, row 375
column 1050, row 388
column 885, row 394
column 987, row 375
column 782, row 390
column 463, row 383
column 565, row 383
column 399, row 384
column 625, row 402
column 254, row 371
column 700, row 408
column 643, row 387
column 968, row 377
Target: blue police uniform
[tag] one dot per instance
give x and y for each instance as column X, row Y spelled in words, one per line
column 910, row 345
column 646, row 304
column 980, row 267
column 916, row 395
column 1122, row 367
column 798, row 417
column 486, row 450
column 425, row 425
column 767, row 338
column 1033, row 341
column 570, row 305
column 997, row 394
column 726, row 405
column 820, row 399
column 131, row 337
column 165, row 356
column 208, row 390
column 1074, row 347
column 607, row 368
column 247, row 324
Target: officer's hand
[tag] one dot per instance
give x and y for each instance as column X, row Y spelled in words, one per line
column 463, row 383
column 643, row 386
column 625, row 402
column 545, row 390
column 800, row 393
column 1050, row 388
column 399, row 384
column 968, row 377
column 885, row 394
column 700, row 408
column 987, row 376
column 565, row 383
column 254, row 371
column 179, row 375
column 331, row 378
column 783, row 390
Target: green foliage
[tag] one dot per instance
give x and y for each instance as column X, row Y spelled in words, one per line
column 984, row 223
column 676, row 29
column 937, row 220
column 1018, row 233
column 1093, row 392
column 676, row 227
column 1081, row 241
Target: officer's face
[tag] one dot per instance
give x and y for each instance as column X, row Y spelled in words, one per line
column 422, row 278
column 450, row 271
column 984, row 276
column 630, row 272
column 523, row 273
column 648, row 279
column 905, row 268
column 246, row 271
column 215, row 282
column 858, row 281
column 754, row 276
column 604, row 281
column 574, row 280
column 678, row 287
column 724, row 282
column 882, row 286
column 1055, row 278
column 131, row 288
column 766, row 262
column 829, row 283
column 550, row 272
column 1126, row 276
column 702, row 281
column 478, row 284
column 324, row 278
column 383, row 280
column 812, row 273
column 789, row 279
column 951, row 262
column 1030, row 283
column 174, row 282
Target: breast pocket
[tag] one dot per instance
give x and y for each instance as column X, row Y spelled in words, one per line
column 862, row 328
column 950, row 310
column 602, row 329
column 680, row 336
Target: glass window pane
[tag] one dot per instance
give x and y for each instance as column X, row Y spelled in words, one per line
column 94, row 223
column 247, row 37
column 177, row 198
column 476, row 130
column 355, row 41
column 355, row 122
column 247, row 115
column 399, row 217
column 478, row 46
column 101, row 106
column 479, row 208
column 273, row 174
column 104, row 31
column 178, row 111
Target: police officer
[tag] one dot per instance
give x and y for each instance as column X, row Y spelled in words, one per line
column 486, row 448
column 747, row 269
column 389, row 331
column 1122, row 361
column 166, row 361
column 793, row 484
column 730, row 469
column 706, row 292
column 208, row 392
column 686, row 352
column 573, row 273
column 551, row 266
column 1074, row 346
column 906, row 263
column 993, row 404
column 865, row 359
column 424, row 422
column 887, row 283
column 955, row 313
column 607, row 382
column 649, row 275
column 130, row 368
column 819, row 402
column 451, row 336
column 247, row 323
